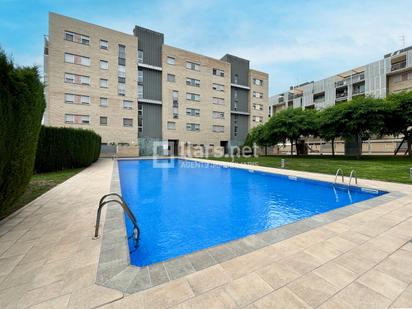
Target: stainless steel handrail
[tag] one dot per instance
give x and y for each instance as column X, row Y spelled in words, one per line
column 337, row 174
column 350, row 177
column 102, row 202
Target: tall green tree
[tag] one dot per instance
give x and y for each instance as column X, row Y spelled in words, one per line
column 291, row 124
column 21, row 108
column 331, row 124
column 399, row 116
column 259, row 136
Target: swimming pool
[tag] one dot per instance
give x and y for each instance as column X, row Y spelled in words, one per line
column 193, row 206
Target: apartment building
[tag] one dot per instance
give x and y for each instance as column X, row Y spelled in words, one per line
column 132, row 89
column 393, row 73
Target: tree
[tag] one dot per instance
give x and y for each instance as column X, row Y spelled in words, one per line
column 259, row 136
column 330, row 124
column 399, row 116
column 361, row 118
column 291, row 124
column 21, row 108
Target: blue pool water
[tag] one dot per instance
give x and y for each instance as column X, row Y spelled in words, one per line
column 193, row 206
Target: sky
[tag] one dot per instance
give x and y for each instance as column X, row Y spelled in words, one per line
column 294, row 41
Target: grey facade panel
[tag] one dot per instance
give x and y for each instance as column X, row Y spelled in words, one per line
column 242, row 99
column 239, row 67
column 152, row 84
column 241, row 122
column 152, row 120
column 150, row 42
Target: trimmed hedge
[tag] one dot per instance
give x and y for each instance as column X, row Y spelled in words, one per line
column 61, row 148
column 21, row 108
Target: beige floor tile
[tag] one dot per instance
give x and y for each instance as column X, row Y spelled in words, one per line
column 323, row 252
column 39, row 295
column 301, row 262
column 282, row 299
column 341, row 244
column 93, row 296
column 22, row 274
column 18, row 248
column 313, row 289
column 79, row 278
column 51, row 272
column 60, row 252
column 207, row 279
column 355, row 263
column 10, row 296
column 354, row 237
column 4, row 246
column 382, row 283
column 337, row 227
column 398, row 265
column 245, row 264
column 7, row 264
column 386, row 242
column 336, row 274
column 247, row 289
column 404, row 300
column 278, row 275
column 407, row 246
column 60, row 302
column 216, row 299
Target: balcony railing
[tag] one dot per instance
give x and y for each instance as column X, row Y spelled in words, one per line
column 341, row 95
column 398, row 66
column 350, row 80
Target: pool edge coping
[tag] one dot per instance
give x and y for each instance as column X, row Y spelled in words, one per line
column 115, row 271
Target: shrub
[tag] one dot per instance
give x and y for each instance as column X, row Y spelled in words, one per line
column 61, row 148
column 21, row 107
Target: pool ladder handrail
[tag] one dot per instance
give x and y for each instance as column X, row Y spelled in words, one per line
column 352, row 173
column 126, row 209
column 337, row 174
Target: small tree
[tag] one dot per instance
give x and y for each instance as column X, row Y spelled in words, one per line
column 330, row 123
column 259, row 136
column 291, row 124
column 399, row 116
column 362, row 117
column 21, row 107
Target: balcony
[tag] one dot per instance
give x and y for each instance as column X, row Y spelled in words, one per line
column 341, row 95
column 398, row 66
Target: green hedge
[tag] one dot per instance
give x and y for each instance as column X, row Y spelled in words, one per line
column 21, row 108
column 61, row 148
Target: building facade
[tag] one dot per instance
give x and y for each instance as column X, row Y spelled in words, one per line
column 393, row 73
column 132, row 89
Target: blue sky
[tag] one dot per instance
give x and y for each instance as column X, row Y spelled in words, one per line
column 294, row 41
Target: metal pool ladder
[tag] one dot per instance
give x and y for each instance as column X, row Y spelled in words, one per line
column 339, row 171
column 121, row 202
column 352, row 173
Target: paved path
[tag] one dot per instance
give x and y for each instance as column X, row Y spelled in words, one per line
column 48, row 260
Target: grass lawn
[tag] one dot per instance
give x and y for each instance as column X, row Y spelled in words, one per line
column 39, row 184
column 386, row 168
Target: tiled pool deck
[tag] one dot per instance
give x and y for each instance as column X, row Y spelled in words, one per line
column 357, row 257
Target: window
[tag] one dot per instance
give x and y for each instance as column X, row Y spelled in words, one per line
column 104, row 102
column 69, row 98
column 121, row 89
column 193, row 112
column 121, row 71
column 76, row 119
column 76, row 99
column 218, row 115
column 76, row 59
column 171, row 78
column 104, row 65
column 121, row 61
column 104, row 44
column 121, row 80
column 236, row 79
column 192, row 66
column 258, row 107
column 218, row 101
column 257, row 82
column 127, row 122
column 127, row 104
column 218, row 129
column 171, row 60
column 77, row 38
column 192, row 82
column 140, row 91
column 257, row 119
column 76, row 79
column 140, row 56
column 257, row 94
column 218, row 72
column 235, row 94
column 103, row 120
column 218, row 87
column 139, row 120
column 122, row 51
column 140, row 76
column 175, row 104
column 104, row 83
column 192, row 127
column 192, row 96
column 171, row 125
